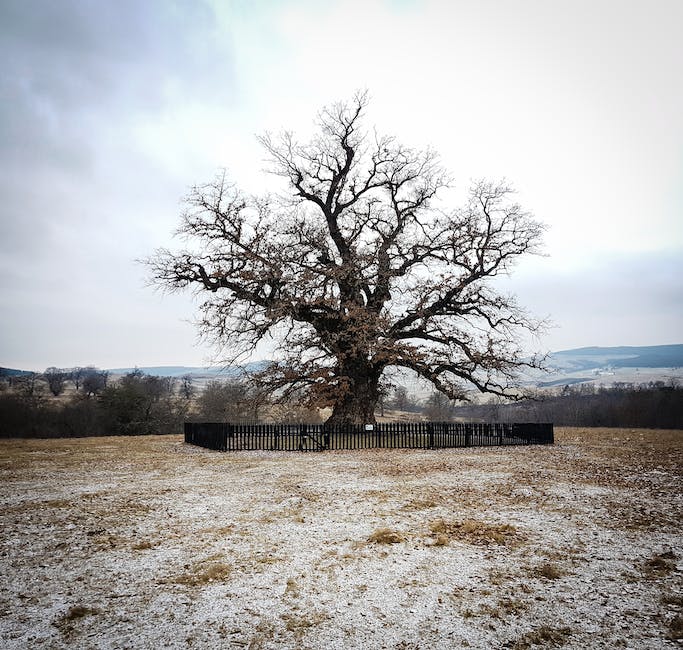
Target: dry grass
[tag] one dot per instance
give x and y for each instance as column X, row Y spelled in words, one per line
column 299, row 622
column 672, row 599
column 144, row 545
column 548, row 571
column 543, row 636
column 473, row 532
column 66, row 623
column 147, row 542
column 202, row 573
column 675, row 631
column 386, row 536
column 611, row 451
column 292, row 588
column 420, row 504
column 660, row 564
column 79, row 611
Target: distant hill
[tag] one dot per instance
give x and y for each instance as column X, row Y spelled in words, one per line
column 561, row 363
column 165, row 371
column 12, row 372
column 653, row 356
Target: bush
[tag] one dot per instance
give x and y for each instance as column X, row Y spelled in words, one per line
column 228, row 401
column 141, row 404
column 138, row 404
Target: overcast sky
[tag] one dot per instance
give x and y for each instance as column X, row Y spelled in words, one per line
column 110, row 110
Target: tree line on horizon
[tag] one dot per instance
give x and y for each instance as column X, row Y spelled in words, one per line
column 656, row 405
column 88, row 402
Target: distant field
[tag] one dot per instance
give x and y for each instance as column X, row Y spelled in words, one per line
column 148, row 543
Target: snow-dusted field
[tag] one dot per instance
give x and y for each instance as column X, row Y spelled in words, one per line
column 149, row 543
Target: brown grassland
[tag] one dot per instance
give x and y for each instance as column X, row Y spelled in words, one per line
column 147, row 542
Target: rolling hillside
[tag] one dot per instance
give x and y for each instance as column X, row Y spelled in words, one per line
column 654, row 356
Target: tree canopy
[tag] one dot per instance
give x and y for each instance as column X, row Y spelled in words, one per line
column 357, row 268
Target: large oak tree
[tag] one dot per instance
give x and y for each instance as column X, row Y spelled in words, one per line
column 357, row 268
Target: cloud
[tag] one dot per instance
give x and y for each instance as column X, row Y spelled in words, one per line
column 78, row 56
column 613, row 299
column 110, row 110
column 83, row 195
column 79, row 78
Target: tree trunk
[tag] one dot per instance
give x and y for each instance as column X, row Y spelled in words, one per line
column 357, row 406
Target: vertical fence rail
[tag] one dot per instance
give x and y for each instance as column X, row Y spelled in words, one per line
column 393, row 435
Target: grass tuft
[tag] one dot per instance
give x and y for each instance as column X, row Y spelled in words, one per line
column 543, row 636
column 292, row 588
column 660, row 564
column 65, row 622
column 143, row 545
column 675, row 632
column 386, row 536
column 79, row 611
column 203, row 573
column 472, row 532
column 548, row 570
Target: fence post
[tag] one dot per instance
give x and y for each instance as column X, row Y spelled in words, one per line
column 430, row 433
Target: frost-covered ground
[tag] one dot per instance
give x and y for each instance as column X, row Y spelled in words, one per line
column 149, row 543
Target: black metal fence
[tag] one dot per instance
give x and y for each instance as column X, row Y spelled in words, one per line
column 391, row 435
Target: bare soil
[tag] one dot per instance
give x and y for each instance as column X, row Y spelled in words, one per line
column 149, row 543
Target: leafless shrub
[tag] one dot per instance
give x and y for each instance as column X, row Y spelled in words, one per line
column 56, row 380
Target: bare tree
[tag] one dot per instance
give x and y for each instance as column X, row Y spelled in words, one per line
column 402, row 401
column 226, row 401
column 294, row 411
column 56, row 380
column 76, row 375
column 29, row 387
column 93, row 381
column 438, row 407
column 357, row 268
column 187, row 387
column 139, row 404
